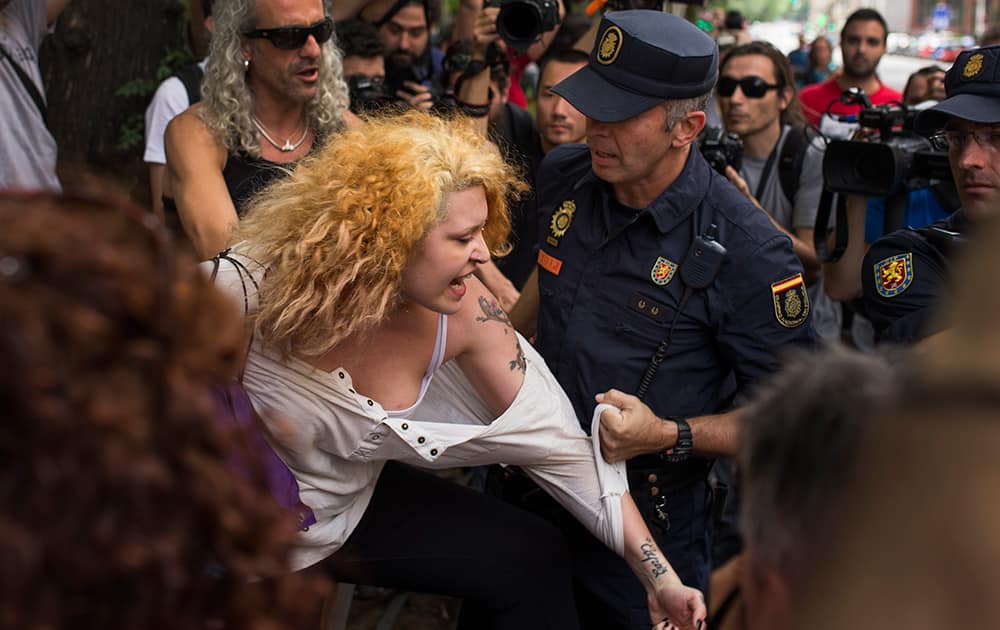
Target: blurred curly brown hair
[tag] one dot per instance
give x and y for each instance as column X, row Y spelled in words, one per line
column 117, row 509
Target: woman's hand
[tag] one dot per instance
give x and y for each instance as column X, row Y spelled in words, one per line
column 677, row 606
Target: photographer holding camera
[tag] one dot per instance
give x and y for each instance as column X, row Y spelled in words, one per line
column 905, row 273
column 364, row 66
column 862, row 44
column 412, row 65
column 781, row 169
column 527, row 28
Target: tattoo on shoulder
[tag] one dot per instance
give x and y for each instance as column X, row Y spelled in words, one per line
column 652, row 556
column 492, row 312
column 519, row 362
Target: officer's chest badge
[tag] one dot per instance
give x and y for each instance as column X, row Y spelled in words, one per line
column 894, row 274
column 791, row 302
column 560, row 222
column 663, row 271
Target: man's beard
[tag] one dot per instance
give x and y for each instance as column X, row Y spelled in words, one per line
column 863, row 74
column 400, row 60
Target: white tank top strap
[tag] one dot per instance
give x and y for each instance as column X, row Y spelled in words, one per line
column 437, row 358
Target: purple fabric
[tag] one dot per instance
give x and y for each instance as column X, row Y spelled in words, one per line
column 234, row 407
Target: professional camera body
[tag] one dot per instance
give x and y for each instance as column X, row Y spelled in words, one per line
column 721, row 149
column 897, row 157
column 522, row 22
column 368, row 94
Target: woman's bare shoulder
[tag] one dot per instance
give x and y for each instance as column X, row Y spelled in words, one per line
column 480, row 324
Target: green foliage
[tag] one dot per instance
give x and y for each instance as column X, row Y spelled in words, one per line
column 131, row 133
column 760, row 10
column 136, row 88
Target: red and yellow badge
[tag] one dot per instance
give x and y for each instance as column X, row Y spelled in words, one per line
column 791, row 302
column 663, row 271
column 894, row 274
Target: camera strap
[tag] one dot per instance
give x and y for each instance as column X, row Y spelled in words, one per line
column 823, row 220
column 895, row 210
column 766, row 173
column 29, row 85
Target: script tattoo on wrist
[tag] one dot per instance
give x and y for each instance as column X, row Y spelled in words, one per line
column 493, row 312
column 519, row 362
column 650, row 555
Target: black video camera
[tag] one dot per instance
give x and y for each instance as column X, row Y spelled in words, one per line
column 522, row 22
column 721, row 149
column 897, row 156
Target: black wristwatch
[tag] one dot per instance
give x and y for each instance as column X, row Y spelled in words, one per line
column 685, row 444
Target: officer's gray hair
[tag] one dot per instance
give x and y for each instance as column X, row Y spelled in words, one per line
column 678, row 109
column 798, row 439
column 228, row 103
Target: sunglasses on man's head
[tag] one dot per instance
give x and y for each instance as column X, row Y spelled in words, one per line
column 292, row 37
column 752, row 87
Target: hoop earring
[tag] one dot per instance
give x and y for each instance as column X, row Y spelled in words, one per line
column 246, row 65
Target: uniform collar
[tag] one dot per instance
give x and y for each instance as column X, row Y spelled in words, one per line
column 685, row 194
column 680, row 198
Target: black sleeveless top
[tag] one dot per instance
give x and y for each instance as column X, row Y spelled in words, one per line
column 245, row 176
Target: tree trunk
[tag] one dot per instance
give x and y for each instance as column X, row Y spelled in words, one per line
column 97, row 47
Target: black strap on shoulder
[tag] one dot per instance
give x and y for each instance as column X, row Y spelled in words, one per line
column 826, row 201
column 765, row 174
column 191, row 75
column 28, row 85
column 790, row 161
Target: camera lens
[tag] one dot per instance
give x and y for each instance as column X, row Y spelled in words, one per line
column 521, row 22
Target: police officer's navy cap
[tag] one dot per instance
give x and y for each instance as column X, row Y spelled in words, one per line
column 973, row 88
column 641, row 58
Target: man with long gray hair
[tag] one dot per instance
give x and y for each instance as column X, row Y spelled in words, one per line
column 273, row 90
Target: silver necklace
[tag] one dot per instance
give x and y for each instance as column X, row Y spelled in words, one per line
column 284, row 148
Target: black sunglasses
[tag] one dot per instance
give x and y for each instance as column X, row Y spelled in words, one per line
column 292, row 37
column 752, row 87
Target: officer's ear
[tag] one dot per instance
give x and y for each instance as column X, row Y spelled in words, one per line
column 685, row 130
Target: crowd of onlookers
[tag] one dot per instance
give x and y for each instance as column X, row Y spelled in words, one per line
column 854, row 491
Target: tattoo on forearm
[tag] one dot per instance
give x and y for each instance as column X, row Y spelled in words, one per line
column 493, row 312
column 519, row 362
column 650, row 555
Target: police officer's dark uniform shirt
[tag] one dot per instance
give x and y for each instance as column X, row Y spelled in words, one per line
column 610, row 285
column 904, row 278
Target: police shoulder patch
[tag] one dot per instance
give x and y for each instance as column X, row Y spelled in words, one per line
column 791, row 302
column 894, row 274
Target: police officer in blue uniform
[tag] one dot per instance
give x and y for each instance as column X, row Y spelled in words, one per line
column 906, row 274
column 659, row 281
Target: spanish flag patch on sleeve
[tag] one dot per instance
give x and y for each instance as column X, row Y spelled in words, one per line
column 791, row 302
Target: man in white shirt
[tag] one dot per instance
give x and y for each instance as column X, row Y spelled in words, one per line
column 27, row 148
column 177, row 92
